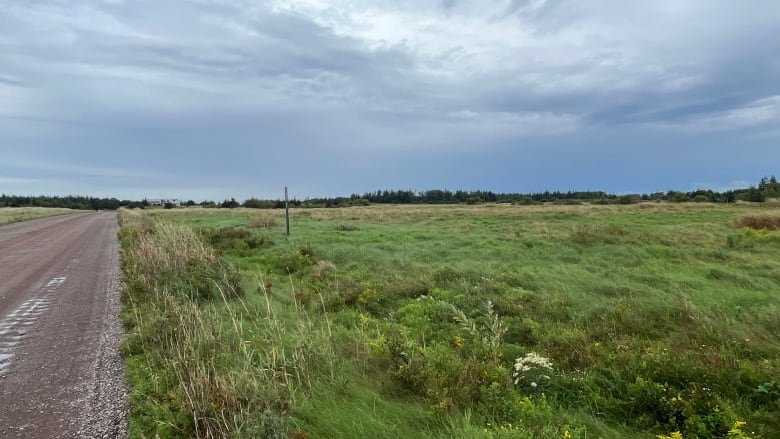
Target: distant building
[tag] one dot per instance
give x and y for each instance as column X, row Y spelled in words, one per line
column 163, row 201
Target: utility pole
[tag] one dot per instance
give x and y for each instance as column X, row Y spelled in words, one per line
column 287, row 211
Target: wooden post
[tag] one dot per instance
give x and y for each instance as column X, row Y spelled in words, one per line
column 287, row 211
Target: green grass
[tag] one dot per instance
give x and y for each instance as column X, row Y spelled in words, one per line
column 656, row 318
column 17, row 214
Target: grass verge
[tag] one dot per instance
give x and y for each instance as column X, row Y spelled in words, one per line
column 18, row 214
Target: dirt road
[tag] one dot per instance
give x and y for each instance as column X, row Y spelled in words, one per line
column 60, row 373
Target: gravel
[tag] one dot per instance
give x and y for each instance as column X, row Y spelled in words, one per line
column 104, row 409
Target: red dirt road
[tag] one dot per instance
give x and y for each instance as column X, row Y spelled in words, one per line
column 60, row 372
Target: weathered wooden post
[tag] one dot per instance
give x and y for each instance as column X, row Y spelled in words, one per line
column 287, row 211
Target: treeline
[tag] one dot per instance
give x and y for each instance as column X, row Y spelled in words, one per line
column 67, row 202
column 438, row 196
column 768, row 187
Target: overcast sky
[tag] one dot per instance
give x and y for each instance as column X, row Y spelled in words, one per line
column 207, row 99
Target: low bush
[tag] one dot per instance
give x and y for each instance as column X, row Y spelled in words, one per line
column 235, row 239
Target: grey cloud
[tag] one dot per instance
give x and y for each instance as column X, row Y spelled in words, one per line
column 11, row 81
column 212, row 96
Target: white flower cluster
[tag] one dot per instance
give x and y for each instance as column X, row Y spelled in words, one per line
column 531, row 366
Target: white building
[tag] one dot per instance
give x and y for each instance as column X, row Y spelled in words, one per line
column 163, row 201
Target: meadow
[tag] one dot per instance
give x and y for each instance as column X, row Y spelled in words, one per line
column 17, row 214
column 486, row 321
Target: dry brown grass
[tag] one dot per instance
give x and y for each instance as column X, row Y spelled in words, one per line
column 759, row 222
column 384, row 213
column 323, row 269
column 163, row 246
column 381, row 213
column 415, row 212
column 263, row 223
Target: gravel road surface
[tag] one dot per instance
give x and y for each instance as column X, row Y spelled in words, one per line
column 61, row 375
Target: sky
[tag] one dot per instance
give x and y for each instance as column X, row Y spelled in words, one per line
column 211, row 99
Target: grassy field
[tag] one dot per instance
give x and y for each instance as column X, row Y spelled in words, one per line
column 17, row 214
column 492, row 321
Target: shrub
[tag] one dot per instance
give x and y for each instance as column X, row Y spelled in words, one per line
column 234, row 239
column 294, row 262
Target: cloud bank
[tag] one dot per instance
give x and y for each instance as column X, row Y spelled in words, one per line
column 218, row 98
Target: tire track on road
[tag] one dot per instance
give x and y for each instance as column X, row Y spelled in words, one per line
column 15, row 326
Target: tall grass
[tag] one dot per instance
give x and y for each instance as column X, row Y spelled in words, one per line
column 224, row 367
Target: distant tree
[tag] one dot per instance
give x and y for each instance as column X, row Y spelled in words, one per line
column 773, row 188
column 676, row 196
column 254, row 203
column 232, row 204
column 755, row 195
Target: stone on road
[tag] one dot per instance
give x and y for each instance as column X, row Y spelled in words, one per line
column 61, row 374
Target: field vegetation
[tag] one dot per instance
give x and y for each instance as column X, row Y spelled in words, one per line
column 484, row 321
column 17, row 214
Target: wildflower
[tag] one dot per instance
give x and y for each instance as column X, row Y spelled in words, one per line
column 566, row 434
column 457, row 341
column 531, row 367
